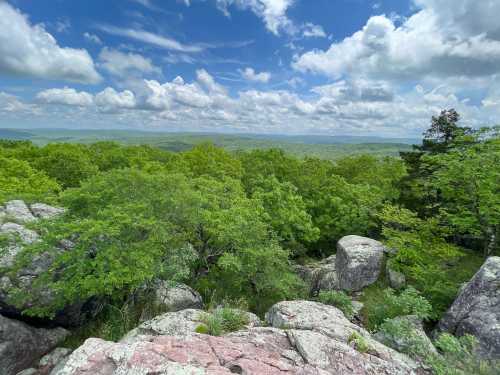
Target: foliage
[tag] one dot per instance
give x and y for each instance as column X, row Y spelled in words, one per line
column 390, row 305
column 18, row 180
column 467, row 180
column 359, row 342
column 424, row 257
column 338, row 299
column 221, row 321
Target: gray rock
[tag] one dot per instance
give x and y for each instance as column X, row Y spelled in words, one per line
column 19, row 212
column 29, row 371
column 177, row 297
column 51, row 359
column 21, row 345
column 415, row 336
column 396, row 279
column 476, row 310
column 44, row 211
column 319, row 276
column 359, row 262
column 17, row 236
column 331, row 323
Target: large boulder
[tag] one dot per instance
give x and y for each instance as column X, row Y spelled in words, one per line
column 315, row 342
column 358, row 262
column 476, row 310
column 176, row 297
column 17, row 211
column 22, row 345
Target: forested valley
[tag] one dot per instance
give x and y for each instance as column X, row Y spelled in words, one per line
column 245, row 230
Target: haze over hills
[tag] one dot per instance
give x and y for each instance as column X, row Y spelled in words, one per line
column 327, row 147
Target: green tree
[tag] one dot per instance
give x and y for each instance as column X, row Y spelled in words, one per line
column 18, row 180
column 467, row 181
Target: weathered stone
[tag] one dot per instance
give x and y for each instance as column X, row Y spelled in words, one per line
column 359, row 262
column 308, row 349
column 18, row 212
column 17, row 236
column 476, row 310
column 44, row 211
column 331, row 322
column 319, row 276
column 51, row 359
column 29, row 371
column 21, row 345
column 176, row 297
column 396, row 279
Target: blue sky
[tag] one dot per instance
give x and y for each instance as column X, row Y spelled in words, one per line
column 358, row 67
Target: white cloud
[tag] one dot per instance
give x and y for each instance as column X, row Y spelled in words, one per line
column 272, row 12
column 92, row 38
column 11, row 104
column 65, row 96
column 151, row 38
column 443, row 39
column 311, row 30
column 250, row 75
column 111, row 101
column 30, row 51
column 124, row 65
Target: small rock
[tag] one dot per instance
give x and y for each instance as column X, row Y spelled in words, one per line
column 54, row 357
column 29, row 371
column 359, row 262
column 396, row 279
column 44, row 211
column 177, row 297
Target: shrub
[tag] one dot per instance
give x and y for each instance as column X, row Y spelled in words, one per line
column 338, row 299
column 391, row 305
column 359, row 342
column 222, row 320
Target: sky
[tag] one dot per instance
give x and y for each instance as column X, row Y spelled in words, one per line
column 326, row 67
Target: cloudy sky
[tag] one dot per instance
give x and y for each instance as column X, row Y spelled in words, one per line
column 338, row 67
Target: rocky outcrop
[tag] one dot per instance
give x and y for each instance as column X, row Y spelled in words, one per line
column 181, row 323
column 358, row 262
column 50, row 363
column 476, row 310
column 22, row 345
column 306, row 338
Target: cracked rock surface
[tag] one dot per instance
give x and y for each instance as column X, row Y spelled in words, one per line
column 305, row 338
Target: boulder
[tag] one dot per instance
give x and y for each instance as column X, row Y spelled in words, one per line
column 17, row 236
column 176, row 297
column 397, row 280
column 22, row 345
column 331, row 323
column 358, row 262
column 476, row 310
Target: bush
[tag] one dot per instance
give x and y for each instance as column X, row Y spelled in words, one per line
column 338, row 299
column 391, row 305
column 359, row 342
column 222, row 320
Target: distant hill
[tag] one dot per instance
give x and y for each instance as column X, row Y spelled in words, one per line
column 326, row 147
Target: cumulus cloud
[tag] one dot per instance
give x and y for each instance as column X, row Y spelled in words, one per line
column 151, row 38
column 120, row 64
column 110, row 100
column 30, row 51
column 250, row 75
column 443, row 39
column 65, row 96
column 11, row 104
column 310, row 30
column 272, row 12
